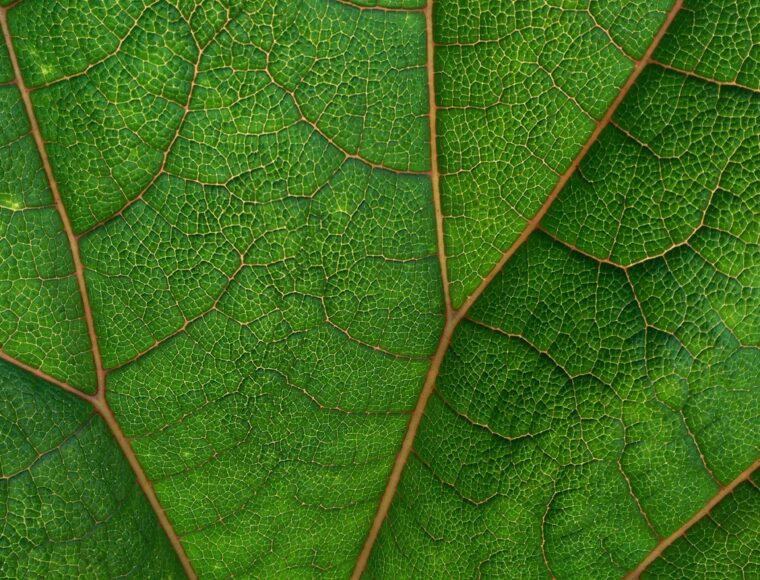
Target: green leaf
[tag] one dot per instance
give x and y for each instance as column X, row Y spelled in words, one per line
column 464, row 288
column 719, row 546
column 71, row 506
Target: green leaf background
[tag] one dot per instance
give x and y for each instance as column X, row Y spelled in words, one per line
column 333, row 287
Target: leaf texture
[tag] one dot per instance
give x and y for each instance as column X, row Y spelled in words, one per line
column 464, row 288
column 68, row 496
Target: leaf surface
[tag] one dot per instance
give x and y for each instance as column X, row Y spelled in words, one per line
column 445, row 289
column 68, row 496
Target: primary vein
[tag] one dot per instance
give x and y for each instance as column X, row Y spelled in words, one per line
column 454, row 317
column 98, row 401
column 53, row 184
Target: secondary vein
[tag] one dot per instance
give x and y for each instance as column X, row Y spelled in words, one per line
column 454, row 317
column 98, row 401
column 701, row 514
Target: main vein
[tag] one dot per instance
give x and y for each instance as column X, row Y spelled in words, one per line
column 98, row 401
column 53, row 184
column 435, row 176
column 701, row 514
column 454, row 317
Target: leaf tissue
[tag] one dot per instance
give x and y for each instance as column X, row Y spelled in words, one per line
column 380, row 288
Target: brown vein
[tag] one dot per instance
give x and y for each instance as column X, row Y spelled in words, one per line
column 46, row 377
column 638, row 68
column 702, row 513
column 376, row 8
column 73, row 243
column 454, row 317
column 435, row 176
column 703, row 78
column 98, row 400
column 315, row 127
column 406, row 447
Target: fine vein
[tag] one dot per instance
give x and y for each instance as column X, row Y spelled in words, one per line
column 663, row 544
column 454, row 317
column 98, row 401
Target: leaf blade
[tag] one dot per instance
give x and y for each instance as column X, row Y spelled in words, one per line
column 68, row 493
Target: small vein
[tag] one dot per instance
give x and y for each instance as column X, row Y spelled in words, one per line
column 544, row 556
column 162, row 168
column 636, row 500
column 103, row 59
column 376, row 8
column 703, row 78
column 70, row 437
column 313, row 124
column 485, row 426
